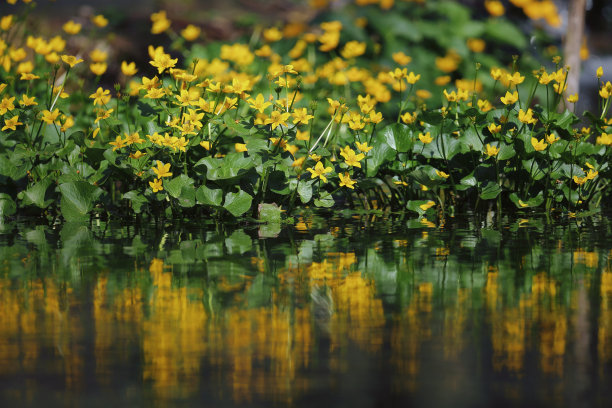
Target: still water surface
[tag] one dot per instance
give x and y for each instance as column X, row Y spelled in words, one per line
column 340, row 313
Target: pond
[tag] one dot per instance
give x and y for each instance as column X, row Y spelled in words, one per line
column 346, row 312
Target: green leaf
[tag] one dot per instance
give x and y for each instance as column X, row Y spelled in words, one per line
column 399, row 137
column 229, row 168
column 505, row 32
column 230, row 122
column 137, row 199
column 380, row 153
column 269, row 213
column 470, row 141
column 443, row 146
column 533, row 168
column 426, row 175
column 175, row 186
column 36, row 194
column 304, row 190
column 237, row 203
column 490, row 191
column 78, row 199
column 7, row 205
column 326, row 201
column 506, row 151
column 209, row 196
column 531, row 202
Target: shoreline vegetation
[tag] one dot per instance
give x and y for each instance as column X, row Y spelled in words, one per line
column 414, row 107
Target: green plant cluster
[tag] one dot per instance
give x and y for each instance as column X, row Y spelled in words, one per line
column 294, row 118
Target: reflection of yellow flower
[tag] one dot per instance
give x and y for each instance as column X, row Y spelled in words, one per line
column 427, row 205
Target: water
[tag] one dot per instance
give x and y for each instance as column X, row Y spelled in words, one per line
column 351, row 312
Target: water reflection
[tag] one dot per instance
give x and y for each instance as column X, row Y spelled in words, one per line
column 340, row 312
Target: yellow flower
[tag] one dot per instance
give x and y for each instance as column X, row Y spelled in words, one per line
column 538, row 145
column 118, row 143
column 11, row 123
column 162, row 170
column 162, row 61
column 6, row 22
column 495, row 8
column 70, row 27
column 526, row 117
column 71, row 60
column 363, row 147
column 491, row 150
column 319, row 171
column 425, row 138
column 401, row 58
column 302, row 135
column 604, row 139
column 599, row 72
column 6, row 105
column 580, row 180
column 409, row 118
column 515, row 79
column 552, row 138
column 412, row 78
column 350, row 157
column 301, row 116
column 297, row 163
column 259, row 103
column 240, row 147
column 160, row 22
column 99, row 21
column 509, row 98
column 442, row 174
column 345, row 181
column 28, row 101
column 156, row 185
column 496, row 74
column 484, row 105
column 137, row 155
column 315, row 157
column 272, row 34
column 427, row 205
column 50, row 117
column 277, row 119
column 101, row 96
column 493, row 128
column 128, row 68
column 353, row 49
column 98, row 68
column 476, row 44
column 546, row 78
column 205, row 144
column 522, row 204
column 191, row 32
column 591, row 174
column 375, row 117
column 573, row 98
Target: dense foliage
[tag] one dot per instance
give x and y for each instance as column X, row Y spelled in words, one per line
column 421, row 107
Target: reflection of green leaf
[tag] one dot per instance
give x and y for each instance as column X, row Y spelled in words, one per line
column 238, row 243
column 237, row 203
column 78, row 199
